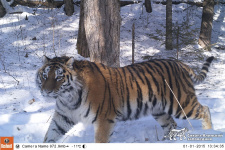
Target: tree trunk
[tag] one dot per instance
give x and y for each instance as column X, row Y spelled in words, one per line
column 82, row 45
column 169, row 40
column 206, row 25
column 102, row 29
column 2, row 10
column 69, row 8
column 148, row 6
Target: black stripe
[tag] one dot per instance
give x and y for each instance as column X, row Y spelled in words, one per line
column 132, row 75
column 58, row 107
column 99, row 71
column 165, row 125
column 203, row 74
column 87, row 113
column 55, row 63
column 51, row 141
column 57, row 131
column 162, row 77
column 181, row 76
column 128, row 104
column 125, row 78
column 171, row 86
column 90, row 65
column 210, row 59
column 131, row 80
column 104, row 98
column 110, row 121
column 185, row 74
column 157, row 116
column 96, row 116
column 154, row 101
column 153, row 77
column 109, row 102
column 63, row 104
column 66, row 119
column 190, row 112
column 139, row 100
column 150, row 92
column 103, row 65
column 110, row 74
column 116, row 80
column 140, row 96
column 146, row 108
column 60, row 129
column 78, row 103
column 176, row 75
column 139, row 76
column 178, row 114
column 121, row 85
column 198, row 112
column 164, row 102
column 86, row 97
column 159, row 65
column 115, row 110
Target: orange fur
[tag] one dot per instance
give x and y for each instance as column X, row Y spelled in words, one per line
column 133, row 91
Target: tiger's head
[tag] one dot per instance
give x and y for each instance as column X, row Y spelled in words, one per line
column 55, row 76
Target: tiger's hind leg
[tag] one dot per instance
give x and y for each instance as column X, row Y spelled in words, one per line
column 203, row 113
column 206, row 123
column 199, row 112
column 166, row 122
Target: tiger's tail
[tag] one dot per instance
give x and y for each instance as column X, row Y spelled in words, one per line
column 199, row 78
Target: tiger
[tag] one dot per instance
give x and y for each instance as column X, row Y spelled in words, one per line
column 96, row 94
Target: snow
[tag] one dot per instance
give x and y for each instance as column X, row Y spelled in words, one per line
column 50, row 32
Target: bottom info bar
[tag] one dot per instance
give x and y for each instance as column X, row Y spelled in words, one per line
column 118, row 146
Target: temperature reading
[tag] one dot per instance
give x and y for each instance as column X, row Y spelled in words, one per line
column 80, row 146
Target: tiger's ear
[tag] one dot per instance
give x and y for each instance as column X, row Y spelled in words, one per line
column 70, row 62
column 45, row 59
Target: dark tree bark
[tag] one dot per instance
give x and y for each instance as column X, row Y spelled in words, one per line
column 34, row 4
column 69, row 8
column 82, row 45
column 206, row 25
column 148, row 6
column 2, row 10
column 102, row 30
column 169, row 41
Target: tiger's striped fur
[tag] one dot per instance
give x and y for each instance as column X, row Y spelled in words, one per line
column 96, row 94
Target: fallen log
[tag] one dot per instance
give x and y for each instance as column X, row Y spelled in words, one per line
column 33, row 4
column 57, row 4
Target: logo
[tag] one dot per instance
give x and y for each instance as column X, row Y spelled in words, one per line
column 173, row 134
column 17, row 146
column 6, row 143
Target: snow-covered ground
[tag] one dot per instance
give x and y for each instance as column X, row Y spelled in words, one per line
column 50, row 32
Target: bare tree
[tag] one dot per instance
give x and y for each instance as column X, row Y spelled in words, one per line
column 101, row 30
column 169, row 41
column 206, row 25
column 148, row 6
column 69, row 8
column 82, row 46
column 2, row 10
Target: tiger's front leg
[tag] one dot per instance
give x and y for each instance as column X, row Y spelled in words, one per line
column 103, row 130
column 166, row 122
column 59, row 126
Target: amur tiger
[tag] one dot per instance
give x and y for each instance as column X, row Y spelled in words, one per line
column 96, row 94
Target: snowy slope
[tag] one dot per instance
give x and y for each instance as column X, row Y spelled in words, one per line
column 50, row 32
